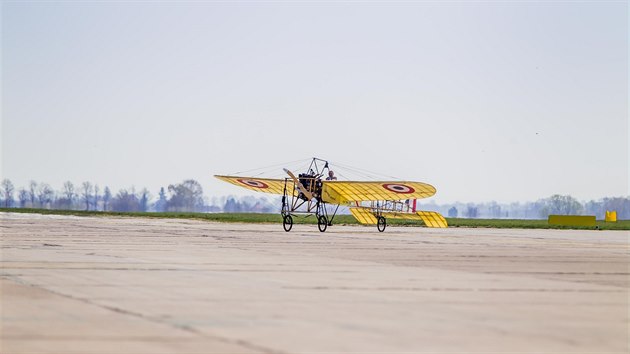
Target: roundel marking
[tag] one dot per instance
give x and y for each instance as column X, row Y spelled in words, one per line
column 399, row 188
column 253, row 183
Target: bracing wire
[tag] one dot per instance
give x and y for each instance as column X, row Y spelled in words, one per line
column 365, row 173
column 267, row 168
column 344, row 171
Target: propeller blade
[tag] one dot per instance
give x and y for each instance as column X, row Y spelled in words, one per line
column 302, row 189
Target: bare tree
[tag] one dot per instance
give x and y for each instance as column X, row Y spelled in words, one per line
column 160, row 205
column 107, row 196
column 68, row 191
column 7, row 190
column 86, row 194
column 144, row 199
column 126, row 201
column 471, row 211
column 186, row 196
column 561, row 205
column 45, row 195
column 96, row 197
column 32, row 192
column 23, row 197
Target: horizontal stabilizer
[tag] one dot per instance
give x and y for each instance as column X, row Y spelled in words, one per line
column 432, row 219
column 363, row 216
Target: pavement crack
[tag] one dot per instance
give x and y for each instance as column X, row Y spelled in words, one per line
column 189, row 329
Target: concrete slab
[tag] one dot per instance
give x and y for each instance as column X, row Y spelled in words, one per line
column 103, row 285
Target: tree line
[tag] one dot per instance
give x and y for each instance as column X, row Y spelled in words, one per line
column 186, row 196
column 540, row 209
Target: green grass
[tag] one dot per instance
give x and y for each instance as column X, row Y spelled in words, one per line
column 339, row 219
column 533, row 224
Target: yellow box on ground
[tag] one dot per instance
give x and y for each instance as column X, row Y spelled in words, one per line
column 572, row 220
column 611, row 216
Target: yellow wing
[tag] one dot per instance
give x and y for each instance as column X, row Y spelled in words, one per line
column 341, row 192
column 363, row 216
column 266, row 185
column 430, row 218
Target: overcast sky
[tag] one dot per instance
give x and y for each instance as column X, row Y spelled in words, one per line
column 489, row 100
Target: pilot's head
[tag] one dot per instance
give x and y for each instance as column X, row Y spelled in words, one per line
column 331, row 173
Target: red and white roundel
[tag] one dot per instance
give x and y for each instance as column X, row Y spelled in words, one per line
column 399, row 188
column 253, row 183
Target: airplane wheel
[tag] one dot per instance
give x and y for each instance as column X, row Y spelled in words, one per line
column 287, row 223
column 381, row 224
column 322, row 223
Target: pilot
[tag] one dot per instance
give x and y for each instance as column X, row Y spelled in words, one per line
column 331, row 176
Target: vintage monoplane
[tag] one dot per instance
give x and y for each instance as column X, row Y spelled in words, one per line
column 370, row 202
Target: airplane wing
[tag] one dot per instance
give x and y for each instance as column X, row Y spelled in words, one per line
column 430, row 218
column 342, row 192
column 266, row 185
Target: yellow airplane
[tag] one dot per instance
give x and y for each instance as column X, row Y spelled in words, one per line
column 370, row 202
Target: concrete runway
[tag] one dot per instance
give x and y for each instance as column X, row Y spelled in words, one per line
column 122, row 285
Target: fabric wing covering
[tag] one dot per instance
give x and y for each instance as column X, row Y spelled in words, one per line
column 341, row 192
column 433, row 219
column 430, row 218
column 265, row 185
column 363, row 216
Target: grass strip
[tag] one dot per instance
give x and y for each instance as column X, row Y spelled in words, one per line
column 339, row 219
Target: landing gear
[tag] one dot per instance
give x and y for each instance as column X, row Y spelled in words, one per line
column 322, row 223
column 381, row 224
column 287, row 222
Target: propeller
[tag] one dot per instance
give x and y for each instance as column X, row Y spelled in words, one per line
column 302, row 189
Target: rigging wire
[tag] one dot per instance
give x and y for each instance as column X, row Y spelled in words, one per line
column 364, row 172
column 342, row 176
column 268, row 167
column 347, row 172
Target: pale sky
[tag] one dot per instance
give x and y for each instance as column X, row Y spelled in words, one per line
column 486, row 100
